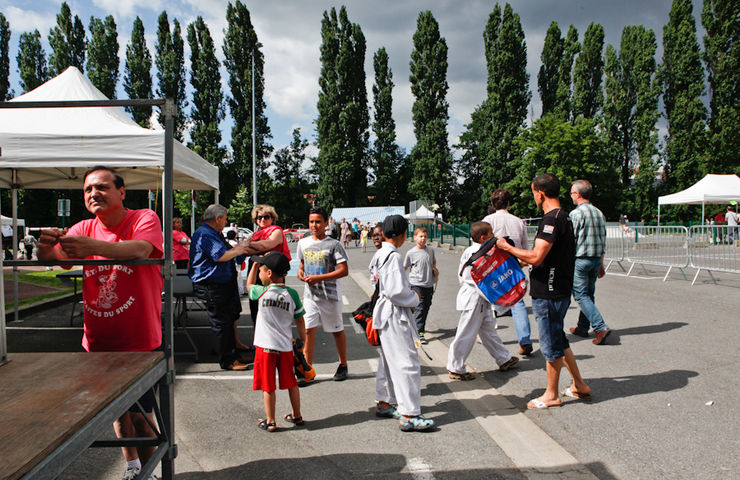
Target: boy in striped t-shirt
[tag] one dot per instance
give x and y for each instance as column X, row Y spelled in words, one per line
column 279, row 305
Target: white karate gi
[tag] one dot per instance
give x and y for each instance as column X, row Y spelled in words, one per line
column 398, row 379
column 475, row 319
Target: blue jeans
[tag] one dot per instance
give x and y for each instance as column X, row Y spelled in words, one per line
column 421, row 312
column 521, row 323
column 550, row 315
column 584, row 286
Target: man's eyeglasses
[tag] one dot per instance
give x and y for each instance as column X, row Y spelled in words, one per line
column 263, row 217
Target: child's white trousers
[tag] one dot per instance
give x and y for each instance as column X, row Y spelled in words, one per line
column 474, row 322
column 398, row 379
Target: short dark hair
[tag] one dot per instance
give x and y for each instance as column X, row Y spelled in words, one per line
column 584, row 188
column 547, row 183
column 500, row 199
column 231, row 235
column 319, row 211
column 478, row 229
column 379, row 228
column 117, row 178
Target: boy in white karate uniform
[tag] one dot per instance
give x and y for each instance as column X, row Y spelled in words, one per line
column 476, row 318
column 399, row 374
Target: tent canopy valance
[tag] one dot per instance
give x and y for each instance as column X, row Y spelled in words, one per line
column 710, row 189
column 52, row 147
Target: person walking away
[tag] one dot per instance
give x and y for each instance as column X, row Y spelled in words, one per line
column 732, row 225
column 551, row 283
column 323, row 263
column 213, row 272
column 504, row 224
column 280, row 305
column 421, row 266
column 29, row 242
column 398, row 379
column 589, row 228
column 123, row 303
column 476, row 317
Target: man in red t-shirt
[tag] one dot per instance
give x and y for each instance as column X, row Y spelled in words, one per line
column 122, row 303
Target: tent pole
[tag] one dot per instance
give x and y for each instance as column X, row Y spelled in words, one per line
column 3, row 342
column 15, row 248
column 659, row 215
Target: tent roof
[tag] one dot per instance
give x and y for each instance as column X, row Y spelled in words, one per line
column 9, row 221
column 422, row 212
column 710, row 189
column 52, row 147
column 365, row 214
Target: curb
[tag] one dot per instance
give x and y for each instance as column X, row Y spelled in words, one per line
column 33, row 308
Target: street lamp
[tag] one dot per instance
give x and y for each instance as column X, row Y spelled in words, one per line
column 254, row 138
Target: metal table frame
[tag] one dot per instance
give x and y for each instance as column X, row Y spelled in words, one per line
column 164, row 372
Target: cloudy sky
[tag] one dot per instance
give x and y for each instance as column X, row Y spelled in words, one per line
column 290, row 33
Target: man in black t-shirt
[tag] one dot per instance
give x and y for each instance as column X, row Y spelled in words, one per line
column 551, row 282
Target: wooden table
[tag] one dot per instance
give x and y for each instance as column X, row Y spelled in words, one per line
column 54, row 405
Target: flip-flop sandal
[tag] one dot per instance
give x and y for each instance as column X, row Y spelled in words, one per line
column 268, row 427
column 462, row 376
column 540, row 404
column 297, row 421
column 568, row 392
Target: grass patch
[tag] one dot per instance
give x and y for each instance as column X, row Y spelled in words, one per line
column 45, row 278
column 28, row 301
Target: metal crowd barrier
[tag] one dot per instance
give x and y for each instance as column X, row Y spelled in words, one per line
column 616, row 242
column 714, row 247
column 660, row 246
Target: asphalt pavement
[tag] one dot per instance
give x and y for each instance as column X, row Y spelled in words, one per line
column 664, row 390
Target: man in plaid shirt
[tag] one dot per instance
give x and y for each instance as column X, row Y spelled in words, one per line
column 589, row 227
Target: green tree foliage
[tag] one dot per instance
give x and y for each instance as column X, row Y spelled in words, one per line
column 6, row 93
column 102, row 55
column 549, row 74
column 722, row 58
column 630, row 114
column 208, row 99
column 290, row 184
column 683, row 77
column 169, row 59
column 487, row 141
column 31, row 61
column 431, row 157
column 343, row 121
column 67, row 41
column 569, row 150
column 571, row 47
column 137, row 81
column 240, row 44
column 587, row 73
column 385, row 155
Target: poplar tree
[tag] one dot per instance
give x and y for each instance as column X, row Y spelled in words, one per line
column 487, row 161
column 549, row 74
column 102, row 55
column 385, row 154
column 137, row 81
column 240, row 44
column 343, row 121
column 683, row 77
column 432, row 161
column 587, row 73
column 631, row 113
column 563, row 107
column 290, row 183
column 207, row 105
column 67, row 41
column 5, row 92
column 31, row 61
column 169, row 59
column 722, row 58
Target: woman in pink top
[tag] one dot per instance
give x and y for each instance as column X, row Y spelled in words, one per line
column 180, row 245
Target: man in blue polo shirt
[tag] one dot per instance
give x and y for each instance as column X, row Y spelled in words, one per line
column 213, row 273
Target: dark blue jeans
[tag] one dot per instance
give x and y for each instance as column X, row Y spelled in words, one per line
column 421, row 312
column 223, row 306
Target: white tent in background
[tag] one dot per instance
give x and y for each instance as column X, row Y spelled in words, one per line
column 52, row 147
column 711, row 189
column 9, row 221
column 421, row 215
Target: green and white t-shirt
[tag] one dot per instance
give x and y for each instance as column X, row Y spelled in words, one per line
column 279, row 305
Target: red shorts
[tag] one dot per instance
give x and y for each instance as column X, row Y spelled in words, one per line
column 265, row 365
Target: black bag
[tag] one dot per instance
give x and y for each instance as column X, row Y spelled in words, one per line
column 364, row 313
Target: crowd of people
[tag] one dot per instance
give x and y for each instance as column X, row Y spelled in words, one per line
column 566, row 260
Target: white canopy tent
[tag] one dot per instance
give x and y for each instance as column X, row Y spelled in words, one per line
column 422, row 215
column 52, row 147
column 711, row 189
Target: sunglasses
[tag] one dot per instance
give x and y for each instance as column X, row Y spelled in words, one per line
column 263, row 217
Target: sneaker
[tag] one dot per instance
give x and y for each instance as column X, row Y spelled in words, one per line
column 525, row 349
column 341, row 373
column 509, row 363
column 391, row 412
column 422, row 340
column 416, row 424
column 304, row 382
column 131, row 473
